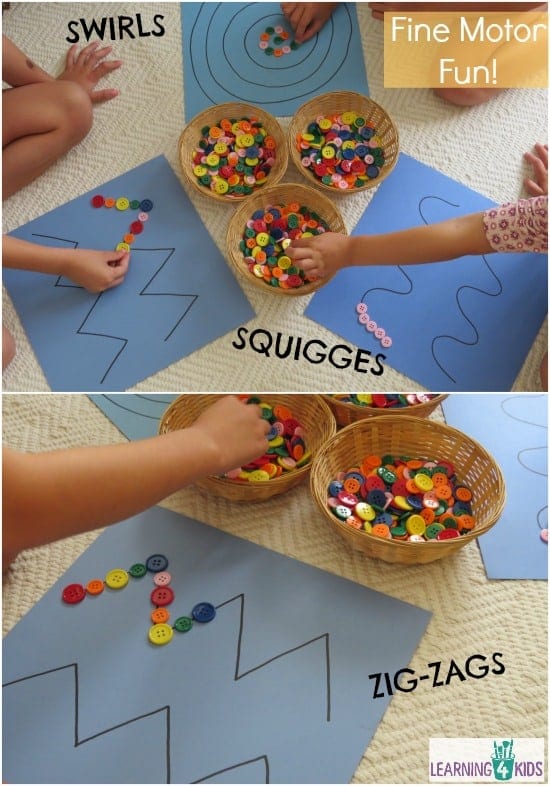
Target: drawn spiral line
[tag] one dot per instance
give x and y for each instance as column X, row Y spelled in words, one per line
column 201, row 65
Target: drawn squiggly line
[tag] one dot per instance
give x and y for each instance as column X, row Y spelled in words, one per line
column 237, row 676
column 457, row 295
column 117, row 404
column 391, row 291
column 541, row 524
column 143, row 292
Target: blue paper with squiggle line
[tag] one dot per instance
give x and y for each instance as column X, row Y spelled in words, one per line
column 461, row 325
column 160, row 313
column 514, row 429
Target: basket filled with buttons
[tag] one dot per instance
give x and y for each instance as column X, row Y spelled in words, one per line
column 343, row 142
column 262, row 229
column 407, row 490
column 299, row 425
column 349, row 407
column 230, row 151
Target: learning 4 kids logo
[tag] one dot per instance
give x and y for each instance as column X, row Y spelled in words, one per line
column 487, row 760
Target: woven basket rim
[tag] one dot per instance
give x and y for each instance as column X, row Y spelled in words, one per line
column 398, row 420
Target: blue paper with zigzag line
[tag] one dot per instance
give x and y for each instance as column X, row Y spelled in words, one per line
column 163, row 310
column 275, row 689
column 461, row 325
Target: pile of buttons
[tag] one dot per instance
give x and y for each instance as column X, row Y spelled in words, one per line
column 287, row 449
column 371, row 326
column 123, row 203
column 234, row 157
column 342, row 150
column 399, row 498
column 276, row 41
column 267, row 235
column 384, row 400
column 161, row 596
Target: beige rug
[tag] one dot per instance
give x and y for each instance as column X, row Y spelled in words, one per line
column 481, row 147
column 471, row 614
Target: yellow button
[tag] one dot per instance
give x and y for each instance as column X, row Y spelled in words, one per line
column 221, row 186
column 200, row 170
column 415, row 525
column 160, row 634
column 220, row 148
column 328, row 152
column 424, row 482
column 117, row 578
column 401, row 502
column 212, row 159
column 348, row 118
column 284, row 262
column 262, row 239
column 325, row 124
column 259, row 475
column 122, row 203
column 245, row 140
column 122, row 247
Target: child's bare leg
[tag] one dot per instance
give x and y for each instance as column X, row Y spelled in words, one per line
column 468, row 96
column 40, row 122
column 8, row 347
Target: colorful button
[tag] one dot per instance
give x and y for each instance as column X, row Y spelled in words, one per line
column 145, row 206
column 137, row 571
column 203, row 612
column 73, row 593
column 95, row 587
column 156, row 563
column 160, row 634
column 162, row 596
column 117, row 578
column 183, row 624
column 162, row 579
column 160, row 615
column 98, row 201
column 122, row 203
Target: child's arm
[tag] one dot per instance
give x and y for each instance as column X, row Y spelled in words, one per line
column 306, row 19
column 48, row 496
column 17, row 68
column 325, row 254
column 94, row 270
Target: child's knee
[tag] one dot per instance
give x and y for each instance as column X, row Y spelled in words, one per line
column 8, row 348
column 76, row 110
column 467, row 96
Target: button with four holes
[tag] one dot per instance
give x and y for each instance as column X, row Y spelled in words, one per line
column 203, row 612
column 73, row 593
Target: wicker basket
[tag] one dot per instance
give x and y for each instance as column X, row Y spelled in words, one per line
column 346, row 413
column 343, row 101
column 418, row 438
column 191, row 135
column 279, row 195
column 311, row 411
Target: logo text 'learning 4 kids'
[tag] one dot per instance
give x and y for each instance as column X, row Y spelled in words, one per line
column 486, row 760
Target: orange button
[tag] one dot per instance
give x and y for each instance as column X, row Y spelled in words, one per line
column 381, row 531
column 160, row 615
column 109, row 202
column 95, row 587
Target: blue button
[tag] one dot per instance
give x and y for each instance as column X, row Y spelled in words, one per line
column 383, row 518
column 377, row 498
column 335, row 488
column 414, row 502
column 146, row 205
column 203, row 612
column 156, row 562
column 372, row 171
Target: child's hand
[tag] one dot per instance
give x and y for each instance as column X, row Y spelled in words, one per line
column 538, row 185
column 96, row 270
column 88, row 67
column 306, row 19
column 236, row 431
column 320, row 256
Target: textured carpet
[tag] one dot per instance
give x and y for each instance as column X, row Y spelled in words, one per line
column 471, row 615
column 481, row 147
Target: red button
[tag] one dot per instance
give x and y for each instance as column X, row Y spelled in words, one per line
column 136, row 227
column 162, row 596
column 98, row 201
column 447, row 534
column 73, row 593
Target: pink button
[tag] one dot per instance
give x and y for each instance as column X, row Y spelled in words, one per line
column 544, row 535
column 386, row 342
column 371, row 326
column 162, row 579
column 144, row 216
column 379, row 333
column 364, row 319
column 361, row 308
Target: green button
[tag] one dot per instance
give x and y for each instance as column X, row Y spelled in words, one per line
column 134, row 204
column 432, row 530
column 183, row 624
column 138, row 570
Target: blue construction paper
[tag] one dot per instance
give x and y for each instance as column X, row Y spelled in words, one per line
column 163, row 310
column 274, row 689
column 514, row 429
column 461, row 325
column 137, row 415
column 223, row 62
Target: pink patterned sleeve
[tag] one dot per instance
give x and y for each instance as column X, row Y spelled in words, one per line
column 518, row 226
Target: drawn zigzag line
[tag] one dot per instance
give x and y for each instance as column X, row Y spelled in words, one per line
column 83, row 741
column 324, row 637
column 239, row 675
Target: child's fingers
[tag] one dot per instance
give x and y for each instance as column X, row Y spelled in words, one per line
column 99, row 54
column 105, row 68
column 533, row 188
column 86, row 52
column 100, row 96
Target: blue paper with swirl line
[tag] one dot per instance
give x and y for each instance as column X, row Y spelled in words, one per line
column 462, row 325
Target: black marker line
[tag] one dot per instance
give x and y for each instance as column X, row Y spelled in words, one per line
column 239, row 676
column 236, row 766
column 133, row 411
